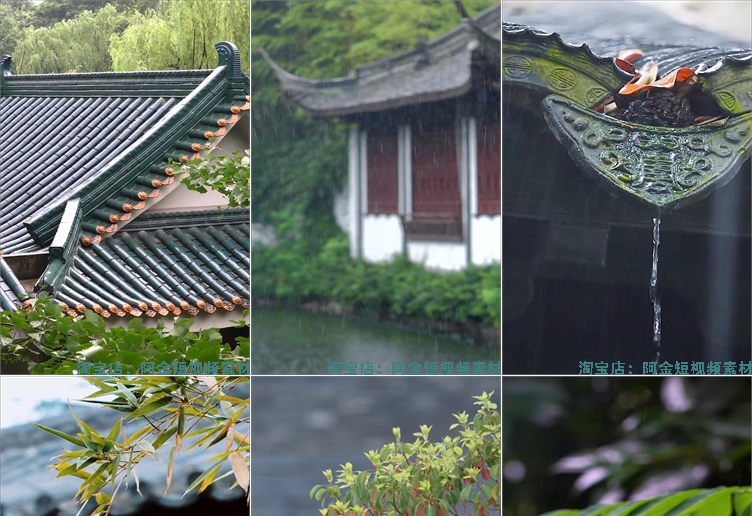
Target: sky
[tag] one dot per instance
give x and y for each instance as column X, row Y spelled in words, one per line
column 20, row 395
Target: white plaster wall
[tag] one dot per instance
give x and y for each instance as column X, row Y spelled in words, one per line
column 238, row 138
column 382, row 237
column 219, row 319
column 182, row 199
column 342, row 209
column 486, row 239
column 438, row 255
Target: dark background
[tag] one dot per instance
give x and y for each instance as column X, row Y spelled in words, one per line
column 652, row 436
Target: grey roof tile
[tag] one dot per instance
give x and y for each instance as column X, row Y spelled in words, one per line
column 442, row 69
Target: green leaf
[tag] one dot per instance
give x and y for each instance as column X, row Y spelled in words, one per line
column 716, row 502
column 204, row 479
column 112, row 436
column 147, row 447
column 154, row 404
column 694, row 502
column 62, row 435
column 313, row 490
column 743, row 503
column 128, row 394
column 161, row 439
column 102, row 498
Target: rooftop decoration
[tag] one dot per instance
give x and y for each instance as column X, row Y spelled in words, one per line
column 665, row 167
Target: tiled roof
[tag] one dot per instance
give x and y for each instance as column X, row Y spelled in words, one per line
column 52, row 145
column 35, row 491
column 160, row 264
column 106, row 138
column 109, row 141
column 439, row 69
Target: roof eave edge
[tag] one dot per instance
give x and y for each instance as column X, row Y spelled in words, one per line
column 384, row 105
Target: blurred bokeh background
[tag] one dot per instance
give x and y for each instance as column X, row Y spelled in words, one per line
column 303, row 425
column 572, row 442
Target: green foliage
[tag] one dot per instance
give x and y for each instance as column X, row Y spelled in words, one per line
column 102, row 35
column 55, row 343
column 50, row 12
column 722, row 501
column 424, row 477
column 180, row 35
column 229, row 175
column 14, row 19
column 86, row 40
column 305, row 172
column 302, row 268
column 172, row 407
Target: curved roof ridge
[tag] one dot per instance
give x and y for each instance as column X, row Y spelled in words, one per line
column 86, row 75
column 43, row 224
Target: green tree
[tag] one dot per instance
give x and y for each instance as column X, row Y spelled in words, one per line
column 173, row 407
column 77, row 45
column 50, row 12
column 181, row 36
column 15, row 17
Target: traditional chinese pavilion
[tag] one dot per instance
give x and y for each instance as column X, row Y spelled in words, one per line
column 92, row 209
column 424, row 158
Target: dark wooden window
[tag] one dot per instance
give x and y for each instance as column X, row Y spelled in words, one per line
column 436, row 188
column 437, row 205
column 382, row 172
column 489, row 167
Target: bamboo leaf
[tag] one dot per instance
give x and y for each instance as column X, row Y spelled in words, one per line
column 148, row 449
column 230, row 438
column 240, row 468
column 209, row 473
column 62, row 435
column 170, row 468
column 151, row 406
column 128, row 394
column 162, row 438
column 112, row 436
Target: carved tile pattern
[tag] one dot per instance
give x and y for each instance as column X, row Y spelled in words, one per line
column 658, row 165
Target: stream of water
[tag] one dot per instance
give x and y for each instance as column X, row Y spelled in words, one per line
column 654, row 291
